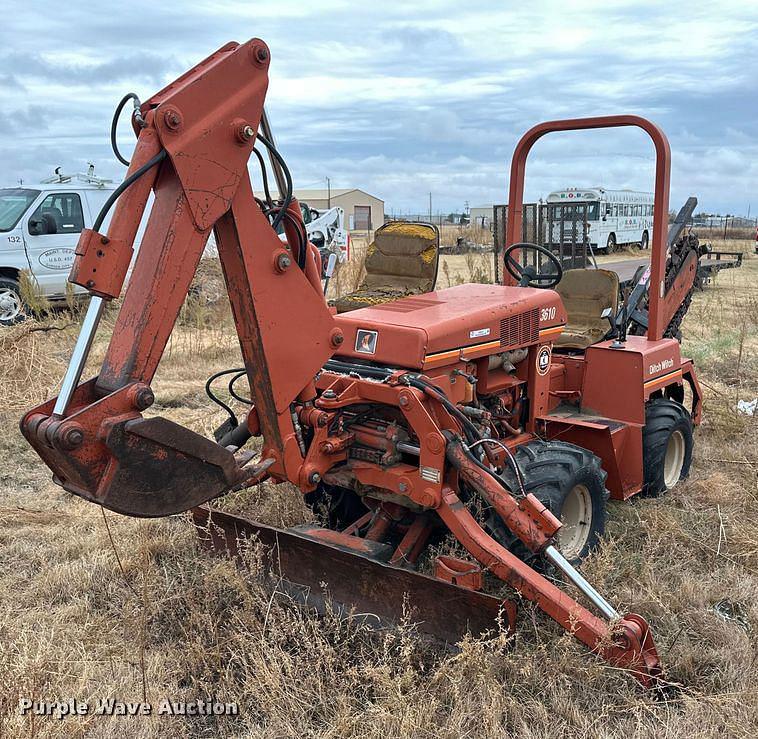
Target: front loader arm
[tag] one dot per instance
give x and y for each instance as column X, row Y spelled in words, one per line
column 94, row 437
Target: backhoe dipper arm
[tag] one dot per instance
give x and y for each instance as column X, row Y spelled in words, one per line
column 93, row 436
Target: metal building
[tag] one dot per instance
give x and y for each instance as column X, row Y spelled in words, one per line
column 363, row 212
column 481, row 216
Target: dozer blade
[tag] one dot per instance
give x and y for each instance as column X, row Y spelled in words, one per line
column 313, row 565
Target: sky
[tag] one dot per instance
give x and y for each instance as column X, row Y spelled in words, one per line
column 404, row 99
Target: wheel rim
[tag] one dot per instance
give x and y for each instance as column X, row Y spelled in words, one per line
column 611, row 243
column 10, row 304
column 674, row 460
column 576, row 520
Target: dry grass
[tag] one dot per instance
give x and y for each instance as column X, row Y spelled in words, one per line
column 449, row 235
column 173, row 622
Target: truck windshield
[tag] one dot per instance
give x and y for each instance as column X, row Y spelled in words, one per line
column 13, row 203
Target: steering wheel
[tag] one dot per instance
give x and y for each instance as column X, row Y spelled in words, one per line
column 529, row 276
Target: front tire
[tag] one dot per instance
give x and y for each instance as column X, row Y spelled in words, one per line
column 12, row 307
column 570, row 482
column 666, row 445
column 610, row 246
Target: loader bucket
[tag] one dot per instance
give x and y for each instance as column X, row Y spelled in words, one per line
column 317, row 566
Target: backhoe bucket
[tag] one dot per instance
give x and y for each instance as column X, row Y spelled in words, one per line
column 317, row 566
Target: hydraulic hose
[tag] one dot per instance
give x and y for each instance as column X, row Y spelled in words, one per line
column 114, row 122
column 159, row 157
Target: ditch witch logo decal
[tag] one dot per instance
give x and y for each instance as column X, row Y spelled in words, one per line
column 365, row 341
column 543, row 360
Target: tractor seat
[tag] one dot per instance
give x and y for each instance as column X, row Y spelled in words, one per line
column 402, row 260
column 586, row 294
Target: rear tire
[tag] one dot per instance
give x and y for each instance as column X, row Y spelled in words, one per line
column 645, row 240
column 666, row 445
column 610, row 246
column 12, row 307
column 570, row 482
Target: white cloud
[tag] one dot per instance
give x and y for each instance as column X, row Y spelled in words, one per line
column 402, row 98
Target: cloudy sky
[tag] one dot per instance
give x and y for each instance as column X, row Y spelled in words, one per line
column 407, row 98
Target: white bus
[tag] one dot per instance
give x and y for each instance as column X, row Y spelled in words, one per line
column 614, row 217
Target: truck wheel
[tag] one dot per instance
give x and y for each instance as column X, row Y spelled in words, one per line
column 12, row 307
column 645, row 240
column 570, row 482
column 610, row 247
column 666, row 445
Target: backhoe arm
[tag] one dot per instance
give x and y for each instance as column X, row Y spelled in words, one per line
column 94, row 436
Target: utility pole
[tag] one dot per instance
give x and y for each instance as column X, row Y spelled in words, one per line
column 430, row 207
column 328, row 193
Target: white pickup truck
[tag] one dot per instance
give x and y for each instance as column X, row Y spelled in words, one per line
column 40, row 226
column 39, row 230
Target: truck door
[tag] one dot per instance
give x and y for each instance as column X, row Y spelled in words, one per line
column 52, row 232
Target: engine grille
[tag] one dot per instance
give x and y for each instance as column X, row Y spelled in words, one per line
column 520, row 330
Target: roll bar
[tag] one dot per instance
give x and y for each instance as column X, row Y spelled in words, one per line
column 657, row 291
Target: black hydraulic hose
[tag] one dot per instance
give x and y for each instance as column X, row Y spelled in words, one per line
column 159, row 157
column 288, row 177
column 264, row 176
column 114, row 123
column 302, row 238
column 209, row 392
column 494, row 475
column 234, row 393
column 472, row 433
column 451, row 439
